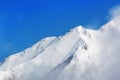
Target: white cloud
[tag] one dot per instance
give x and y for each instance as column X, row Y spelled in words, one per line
column 114, row 12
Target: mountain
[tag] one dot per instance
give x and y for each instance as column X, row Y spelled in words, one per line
column 81, row 54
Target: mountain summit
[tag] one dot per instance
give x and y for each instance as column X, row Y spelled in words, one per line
column 81, row 54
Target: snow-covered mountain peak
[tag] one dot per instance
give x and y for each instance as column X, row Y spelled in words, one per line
column 81, row 54
column 81, row 31
column 79, row 28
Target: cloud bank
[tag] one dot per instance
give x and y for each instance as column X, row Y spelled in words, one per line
column 114, row 12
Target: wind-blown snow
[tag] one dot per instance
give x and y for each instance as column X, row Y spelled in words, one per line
column 80, row 54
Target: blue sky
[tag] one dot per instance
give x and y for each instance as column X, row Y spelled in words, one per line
column 24, row 22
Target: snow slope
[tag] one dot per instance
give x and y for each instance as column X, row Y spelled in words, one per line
column 81, row 54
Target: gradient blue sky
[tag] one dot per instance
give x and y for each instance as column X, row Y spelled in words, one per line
column 24, row 22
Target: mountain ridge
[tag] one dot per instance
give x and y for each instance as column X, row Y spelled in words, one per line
column 81, row 54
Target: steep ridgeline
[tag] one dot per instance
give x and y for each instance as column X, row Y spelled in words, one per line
column 81, row 54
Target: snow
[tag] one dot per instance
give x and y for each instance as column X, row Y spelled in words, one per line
column 81, row 54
